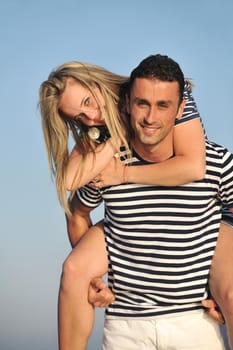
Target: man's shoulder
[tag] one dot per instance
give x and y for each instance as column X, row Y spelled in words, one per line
column 89, row 196
column 218, row 155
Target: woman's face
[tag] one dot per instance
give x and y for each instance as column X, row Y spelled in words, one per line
column 77, row 102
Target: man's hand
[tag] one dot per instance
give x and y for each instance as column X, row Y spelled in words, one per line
column 99, row 294
column 213, row 310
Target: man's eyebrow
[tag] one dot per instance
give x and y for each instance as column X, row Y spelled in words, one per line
column 167, row 102
column 141, row 99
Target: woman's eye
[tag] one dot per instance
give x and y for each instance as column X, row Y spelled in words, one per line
column 79, row 116
column 87, row 101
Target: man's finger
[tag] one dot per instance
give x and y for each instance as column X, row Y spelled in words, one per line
column 213, row 310
column 209, row 303
column 98, row 283
column 216, row 315
column 102, row 298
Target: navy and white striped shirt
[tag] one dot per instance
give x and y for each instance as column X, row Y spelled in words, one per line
column 161, row 240
column 190, row 109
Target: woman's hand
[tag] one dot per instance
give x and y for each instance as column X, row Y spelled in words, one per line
column 113, row 174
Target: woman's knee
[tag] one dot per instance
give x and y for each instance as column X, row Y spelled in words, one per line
column 86, row 261
column 73, row 273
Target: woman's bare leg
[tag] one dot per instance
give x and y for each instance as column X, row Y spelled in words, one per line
column 75, row 314
column 221, row 276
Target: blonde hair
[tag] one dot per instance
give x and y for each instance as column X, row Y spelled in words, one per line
column 57, row 127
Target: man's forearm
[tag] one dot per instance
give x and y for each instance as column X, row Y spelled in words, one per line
column 78, row 222
column 76, row 227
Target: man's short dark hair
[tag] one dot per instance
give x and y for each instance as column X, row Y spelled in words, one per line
column 159, row 67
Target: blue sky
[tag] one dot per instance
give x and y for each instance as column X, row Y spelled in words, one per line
column 35, row 37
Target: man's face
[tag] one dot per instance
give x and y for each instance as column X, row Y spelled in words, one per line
column 77, row 102
column 153, row 107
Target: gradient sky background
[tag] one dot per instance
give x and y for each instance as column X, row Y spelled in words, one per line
column 37, row 36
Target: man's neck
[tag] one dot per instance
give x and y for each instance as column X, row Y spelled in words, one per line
column 153, row 153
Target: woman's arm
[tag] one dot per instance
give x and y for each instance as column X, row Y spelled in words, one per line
column 94, row 163
column 187, row 165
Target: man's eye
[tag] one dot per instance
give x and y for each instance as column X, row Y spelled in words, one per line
column 163, row 105
column 142, row 103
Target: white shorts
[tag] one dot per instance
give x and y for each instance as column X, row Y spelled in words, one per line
column 196, row 331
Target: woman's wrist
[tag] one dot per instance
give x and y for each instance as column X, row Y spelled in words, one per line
column 126, row 174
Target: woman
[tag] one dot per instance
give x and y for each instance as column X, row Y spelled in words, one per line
column 78, row 96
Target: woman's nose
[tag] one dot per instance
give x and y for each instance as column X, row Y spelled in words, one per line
column 92, row 113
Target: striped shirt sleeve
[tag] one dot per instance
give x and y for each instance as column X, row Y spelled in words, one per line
column 190, row 110
column 89, row 196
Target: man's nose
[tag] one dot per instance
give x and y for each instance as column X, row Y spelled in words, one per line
column 151, row 114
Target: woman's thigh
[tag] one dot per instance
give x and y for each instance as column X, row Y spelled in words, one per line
column 90, row 255
column 221, row 273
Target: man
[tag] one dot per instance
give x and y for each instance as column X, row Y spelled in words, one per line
column 161, row 240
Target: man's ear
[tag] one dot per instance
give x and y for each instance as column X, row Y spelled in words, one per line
column 180, row 110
